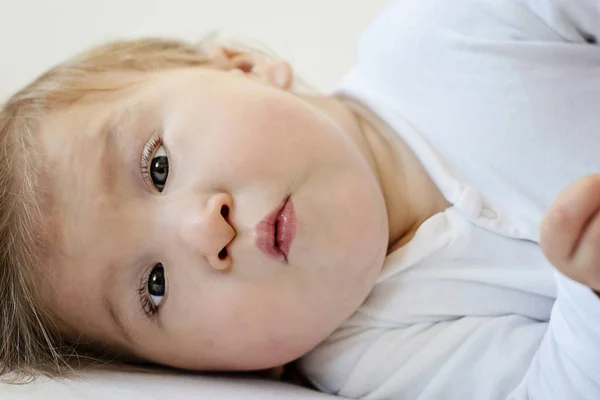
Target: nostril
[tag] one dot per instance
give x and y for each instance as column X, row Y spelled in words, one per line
column 225, row 211
column 223, row 254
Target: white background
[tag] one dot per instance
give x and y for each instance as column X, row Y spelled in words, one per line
column 317, row 36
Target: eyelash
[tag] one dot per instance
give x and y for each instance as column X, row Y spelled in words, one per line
column 147, row 153
column 147, row 306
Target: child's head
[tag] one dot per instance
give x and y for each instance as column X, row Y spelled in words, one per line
column 137, row 190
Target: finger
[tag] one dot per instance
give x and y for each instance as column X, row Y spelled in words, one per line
column 586, row 259
column 567, row 218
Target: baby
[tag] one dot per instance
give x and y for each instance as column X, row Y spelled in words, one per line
column 403, row 238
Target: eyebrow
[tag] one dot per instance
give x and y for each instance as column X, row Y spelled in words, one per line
column 112, row 129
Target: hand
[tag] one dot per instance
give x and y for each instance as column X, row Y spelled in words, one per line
column 570, row 232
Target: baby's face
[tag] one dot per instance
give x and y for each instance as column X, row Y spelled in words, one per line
column 209, row 222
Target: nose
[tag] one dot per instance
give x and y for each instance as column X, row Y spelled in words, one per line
column 210, row 232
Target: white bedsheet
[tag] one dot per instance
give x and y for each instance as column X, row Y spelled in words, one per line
column 111, row 385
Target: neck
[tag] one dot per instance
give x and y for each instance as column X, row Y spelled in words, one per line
column 410, row 195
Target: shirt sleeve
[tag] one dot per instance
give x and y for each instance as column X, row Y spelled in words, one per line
column 574, row 20
column 567, row 365
column 496, row 358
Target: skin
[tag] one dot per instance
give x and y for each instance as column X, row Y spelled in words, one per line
column 236, row 138
column 570, row 232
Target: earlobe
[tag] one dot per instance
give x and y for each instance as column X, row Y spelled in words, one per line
column 280, row 75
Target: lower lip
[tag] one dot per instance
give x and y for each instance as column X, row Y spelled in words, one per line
column 279, row 227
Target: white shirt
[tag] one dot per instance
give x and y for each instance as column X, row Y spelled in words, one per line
column 500, row 100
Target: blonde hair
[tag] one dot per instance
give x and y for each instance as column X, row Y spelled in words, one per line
column 30, row 343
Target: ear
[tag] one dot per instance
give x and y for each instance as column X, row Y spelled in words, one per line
column 275, row 73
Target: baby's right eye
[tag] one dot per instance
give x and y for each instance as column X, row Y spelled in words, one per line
column 159, row 168
column 155, row 163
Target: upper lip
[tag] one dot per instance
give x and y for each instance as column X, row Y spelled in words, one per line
column 275, row 232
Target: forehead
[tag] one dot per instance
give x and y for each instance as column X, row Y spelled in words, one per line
column 104, row 112
column 81, row 148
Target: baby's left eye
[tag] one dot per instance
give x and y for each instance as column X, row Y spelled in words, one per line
column 159, row 168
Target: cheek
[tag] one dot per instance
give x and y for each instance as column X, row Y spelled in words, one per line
column 267, row 139
column 344, row 229
column 213, row 329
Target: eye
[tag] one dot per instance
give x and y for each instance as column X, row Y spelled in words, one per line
column 159, row 168
column 156, row 284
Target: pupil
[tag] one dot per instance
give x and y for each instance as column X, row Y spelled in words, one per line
column 160, row 164
column 156, row 282
column 160, row 170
